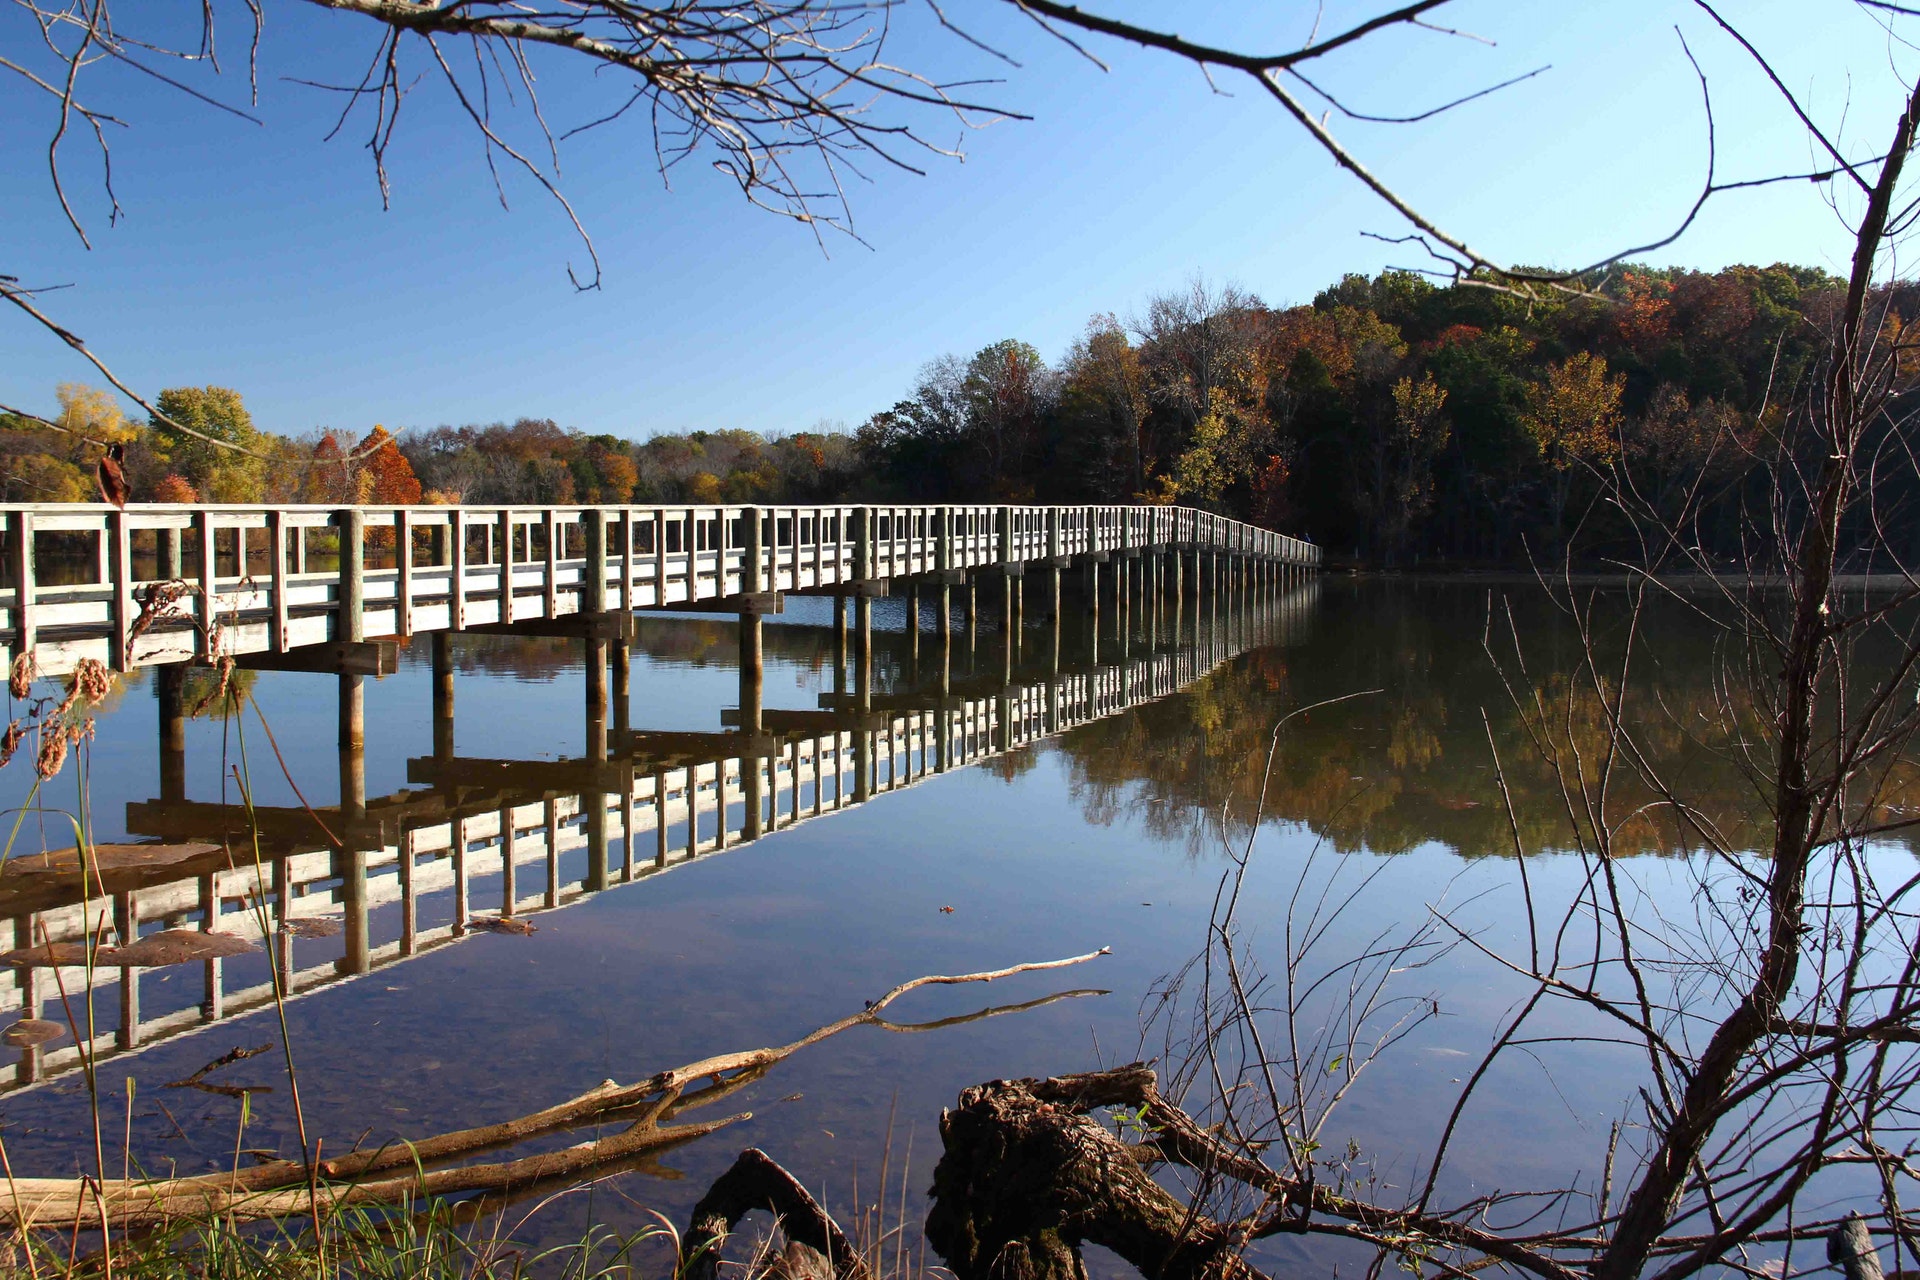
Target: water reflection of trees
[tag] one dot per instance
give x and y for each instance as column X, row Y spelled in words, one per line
column 1411, row 764
column 1407, row 766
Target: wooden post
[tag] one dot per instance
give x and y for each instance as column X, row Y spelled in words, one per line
column 353, row 756
column 839, row 644
column 460, row 879
column 660, row 818
column 350, row 626
column 213, row 997
column 660, row 559
column 409, row 891
column 622, row 686
column 209, row 594
column 353, row 714
column 120, row 570
column 442, row 695
column 862, row 543
column 353, row 892
column 403, row 561
column 126, row 926
column 596, row 878
column 457, row 562
column 350, row 622
column 170, row 698
column 626, row 568
column 750, row 550
column 596, row 682
column 595, row 599
column 550, row 522
column 863, row 651
column 277, row 578
column 506, row 565
column 171, row 557
column 693, row 809
column 20, row 565
column 509, row 885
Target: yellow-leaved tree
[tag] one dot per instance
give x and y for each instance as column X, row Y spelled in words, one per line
column 1574, row 419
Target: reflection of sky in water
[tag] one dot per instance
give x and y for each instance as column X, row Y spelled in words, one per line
column 762, row 943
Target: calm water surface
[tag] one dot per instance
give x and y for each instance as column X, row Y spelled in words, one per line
column 1108, row 835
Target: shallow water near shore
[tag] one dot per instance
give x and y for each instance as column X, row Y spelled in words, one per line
column 1109, row 834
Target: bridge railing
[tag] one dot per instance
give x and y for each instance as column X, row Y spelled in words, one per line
column 79, row 578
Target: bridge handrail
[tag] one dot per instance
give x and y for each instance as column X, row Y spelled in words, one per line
column 487, row 563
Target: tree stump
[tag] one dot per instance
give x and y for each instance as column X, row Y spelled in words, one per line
column 1027, row 1177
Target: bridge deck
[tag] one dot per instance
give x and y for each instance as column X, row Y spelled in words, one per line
column 81, row 579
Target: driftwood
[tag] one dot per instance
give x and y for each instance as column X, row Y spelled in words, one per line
column 282, row 1188
column 815, row 1243
column 1028, row 1176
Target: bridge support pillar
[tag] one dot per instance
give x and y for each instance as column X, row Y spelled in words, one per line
column 863, row 689
column 1093, row 587
column 353, row 712
column 172, row 699
column 596, row 700
column 839, row 644
column 598, row 858
column 946, row 659
column 353, row 897
column 913, row 630
column 442, row 695
column 622, row 685
column 752, row 688
column 353, row 783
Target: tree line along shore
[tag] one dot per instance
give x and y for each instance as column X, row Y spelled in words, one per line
column 1393, row 420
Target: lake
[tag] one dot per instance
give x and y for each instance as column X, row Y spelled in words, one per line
column 1003, row 841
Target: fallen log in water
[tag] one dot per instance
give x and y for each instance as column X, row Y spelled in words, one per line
column 284, row 1188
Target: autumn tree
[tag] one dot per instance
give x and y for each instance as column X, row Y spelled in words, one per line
column 1573, row 415
column 385, row 475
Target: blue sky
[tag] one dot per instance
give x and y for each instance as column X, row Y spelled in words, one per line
column 259, row 257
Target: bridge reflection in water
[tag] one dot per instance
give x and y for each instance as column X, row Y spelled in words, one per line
column 406, row 873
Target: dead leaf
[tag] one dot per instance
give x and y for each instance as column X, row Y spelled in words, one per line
column 946, row 911
column 312, row 927
column 502, row 924
column 32, row 1032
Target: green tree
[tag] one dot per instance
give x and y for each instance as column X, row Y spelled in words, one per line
column 219, row 474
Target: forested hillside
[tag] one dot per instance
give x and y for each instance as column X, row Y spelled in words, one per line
column 1392, row 420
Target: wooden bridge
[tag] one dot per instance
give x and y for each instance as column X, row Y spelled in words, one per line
column 294, row 586
column 519, row 836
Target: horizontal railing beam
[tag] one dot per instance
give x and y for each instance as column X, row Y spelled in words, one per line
column 276, row 578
